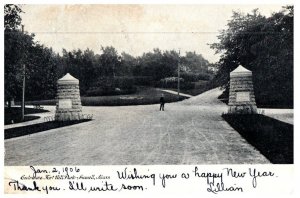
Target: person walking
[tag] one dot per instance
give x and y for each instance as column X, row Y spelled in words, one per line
column 162, row 103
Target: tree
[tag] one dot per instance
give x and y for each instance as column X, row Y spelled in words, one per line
column 157, row 64
column 195, row 62
column 110, row 61
column 12, row 18
column 263, row 45
column 128, row 63
column 170, row 61
column 88, row 67
column 20, row 49
column 16, row 48
column 42, row 73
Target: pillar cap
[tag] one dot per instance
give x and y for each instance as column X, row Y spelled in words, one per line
column 68, row 79
column 241, row 71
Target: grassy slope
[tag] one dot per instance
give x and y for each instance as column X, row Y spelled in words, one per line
column 200, row 87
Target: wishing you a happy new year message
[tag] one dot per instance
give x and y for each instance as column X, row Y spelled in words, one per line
column 95, row 179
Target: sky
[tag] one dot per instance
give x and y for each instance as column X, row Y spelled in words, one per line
column 133, row 29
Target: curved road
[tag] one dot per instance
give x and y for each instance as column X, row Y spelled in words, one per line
column 187, row 132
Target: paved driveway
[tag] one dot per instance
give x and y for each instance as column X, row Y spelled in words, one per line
column 188, row 132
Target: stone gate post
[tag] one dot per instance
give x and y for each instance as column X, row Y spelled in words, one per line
column 241, row 92
column 68, row 103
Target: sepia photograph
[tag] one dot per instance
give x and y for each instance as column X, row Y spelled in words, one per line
column 148, row 84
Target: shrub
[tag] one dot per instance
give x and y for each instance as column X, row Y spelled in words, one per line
column 172, row 82
column 189, row 77
column 169, row 82
column 194, row 77
column 204, row 76
column 124, row 82
column 106, row 86
column 187, row 85
column 143, row 80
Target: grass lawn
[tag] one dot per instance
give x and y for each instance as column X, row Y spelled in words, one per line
column 13, row 114
column 144, row 95
column 35, row 128
column 273, row 138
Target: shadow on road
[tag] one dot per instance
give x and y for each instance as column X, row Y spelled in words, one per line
column 273, row 138
column 40, row 127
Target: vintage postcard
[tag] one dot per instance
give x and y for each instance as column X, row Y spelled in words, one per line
column 148, row 99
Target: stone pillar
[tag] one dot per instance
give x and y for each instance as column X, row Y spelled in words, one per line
column 68, row 102
column 241, row 92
